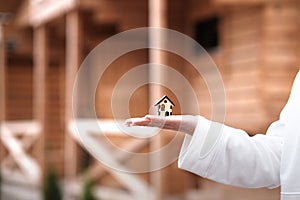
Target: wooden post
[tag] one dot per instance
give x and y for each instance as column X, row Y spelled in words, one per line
column 73, row 59
column 158, row 19
column 4, row 20
column 40, row 69
column 2, row 84
column 2, row 74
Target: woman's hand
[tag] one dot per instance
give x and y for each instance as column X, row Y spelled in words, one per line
column 183, row 123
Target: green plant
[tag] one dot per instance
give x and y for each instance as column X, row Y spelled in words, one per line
column 51, row 190
column 87, row 193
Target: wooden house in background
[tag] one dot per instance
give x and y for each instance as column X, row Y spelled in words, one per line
column 254, row 43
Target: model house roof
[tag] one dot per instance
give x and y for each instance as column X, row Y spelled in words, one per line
column 163, row 98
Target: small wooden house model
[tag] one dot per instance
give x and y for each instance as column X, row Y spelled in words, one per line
column 164, row 106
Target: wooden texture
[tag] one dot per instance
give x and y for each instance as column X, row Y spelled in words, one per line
column 110, row 106
column 2, row 87
column 137, row 186
column 2, row 74
column 241, row 48
column 23, row 15
column 19, row 137
column 73, row 58
column 19, row 95
column 44, row 11
column 281, row 54
column 239, row 58
column 55, row 117
column 241, row 2
column 158, row 19
column 40, row 70
column 127, row 14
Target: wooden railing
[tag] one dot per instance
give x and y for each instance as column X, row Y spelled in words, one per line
column 19, row 165
column 135, row 187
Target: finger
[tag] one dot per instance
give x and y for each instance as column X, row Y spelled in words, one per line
column 138, row 122
column 150, row 117
column 128, row 122
column 155, row 117
column 142, row 121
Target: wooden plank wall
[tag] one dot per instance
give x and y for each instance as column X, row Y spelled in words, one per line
column 126, row 14
column 19, row 93
column 55, row 124
column 280, row 54
column 258, row 58
column 258, row 46
column 19, row 73
column 139, row 99
column 241, row 53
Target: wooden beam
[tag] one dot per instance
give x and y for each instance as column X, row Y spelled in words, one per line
column 89, row 4
column 45, row 10
column 22, row 16
column 157, row 18
column 246, row 2
column 240, row 2
column 5, row 18
column 2, row 86
column 2, row 74
column 40, row 58
column 109, row 12
column 73, row 59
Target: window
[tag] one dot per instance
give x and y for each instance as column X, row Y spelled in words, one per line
column 206, row 33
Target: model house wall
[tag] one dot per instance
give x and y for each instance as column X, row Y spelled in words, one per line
column 164, row 106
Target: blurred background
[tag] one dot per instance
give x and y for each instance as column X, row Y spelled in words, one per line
column 254, row 43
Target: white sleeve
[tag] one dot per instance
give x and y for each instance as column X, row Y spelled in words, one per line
column 231, row 156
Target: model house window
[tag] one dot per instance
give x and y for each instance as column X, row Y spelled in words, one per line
column 163, row 107
column 207, row 34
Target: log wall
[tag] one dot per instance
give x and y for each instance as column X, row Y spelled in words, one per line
column 280, row 54
column 241, row 52
column 19, row 95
